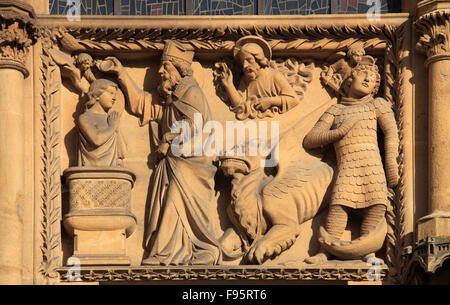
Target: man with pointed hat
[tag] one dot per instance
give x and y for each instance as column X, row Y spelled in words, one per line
column 180, row 229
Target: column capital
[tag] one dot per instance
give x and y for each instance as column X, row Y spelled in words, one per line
column 433, row 27
column 18, row 32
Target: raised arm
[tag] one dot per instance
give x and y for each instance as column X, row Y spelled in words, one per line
column 227, row 83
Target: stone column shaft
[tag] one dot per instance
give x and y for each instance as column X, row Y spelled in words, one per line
column 16, row 36
column 439, row 135
column 11, row 171
column 433, row 26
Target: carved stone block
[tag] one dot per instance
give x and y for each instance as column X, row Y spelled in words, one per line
column 99, row 216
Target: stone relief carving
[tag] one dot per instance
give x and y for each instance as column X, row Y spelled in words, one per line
column 262, row 90
column 99, row 188
column 261, row 230
column 360, row 182
column 101, row 143
column 289, row 175
column 179, row 230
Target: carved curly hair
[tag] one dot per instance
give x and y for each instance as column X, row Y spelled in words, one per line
column 365, row 66
column 96, row 89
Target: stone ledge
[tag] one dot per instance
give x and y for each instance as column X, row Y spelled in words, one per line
column 345, row 272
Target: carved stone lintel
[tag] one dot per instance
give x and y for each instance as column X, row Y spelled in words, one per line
column 355, row 272
column 434, row 40
column 17, row 33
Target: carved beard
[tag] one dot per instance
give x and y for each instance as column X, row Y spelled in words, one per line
column 250, row 73
column 167, row 86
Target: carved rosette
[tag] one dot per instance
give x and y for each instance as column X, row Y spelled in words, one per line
column 434, row 31
column 18, row 32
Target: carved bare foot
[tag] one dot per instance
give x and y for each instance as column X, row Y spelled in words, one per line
column 230, row 241
column 317, row 259
column 278, row 239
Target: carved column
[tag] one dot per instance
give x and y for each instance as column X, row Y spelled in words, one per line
column 433, row 26
column 16, row 37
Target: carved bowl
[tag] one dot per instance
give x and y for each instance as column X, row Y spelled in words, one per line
column 230, row 165
column 99, row 199
column 105, row 65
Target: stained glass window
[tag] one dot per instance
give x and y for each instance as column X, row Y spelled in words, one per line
column 87, row 7
column 296, row 7
column 224, row 7
column 152, row 7
column 362, row 6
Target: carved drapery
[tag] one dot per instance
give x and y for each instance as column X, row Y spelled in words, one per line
column 378, row 39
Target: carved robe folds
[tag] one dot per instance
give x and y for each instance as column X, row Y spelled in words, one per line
column 179, row 230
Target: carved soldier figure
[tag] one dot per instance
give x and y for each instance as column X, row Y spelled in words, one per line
column 101, row 143
column 351, row 126
column 180, row 230
column 261, row 88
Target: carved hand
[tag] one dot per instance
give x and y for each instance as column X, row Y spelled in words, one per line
column 226, row 76
column 111, row 65
column 163, row 148
column 114, row 119
column 349, row 123
column 392, row 177
column 262, row 104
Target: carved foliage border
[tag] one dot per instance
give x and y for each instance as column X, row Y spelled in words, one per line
column 392, row 38
column 395, row 78
column 280, row 38
column 251, row 273
column 51, row 187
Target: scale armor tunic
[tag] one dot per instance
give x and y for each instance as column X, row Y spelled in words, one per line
column 361, row 180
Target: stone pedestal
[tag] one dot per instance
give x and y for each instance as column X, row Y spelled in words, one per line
column 17, row 31
column 100, row 217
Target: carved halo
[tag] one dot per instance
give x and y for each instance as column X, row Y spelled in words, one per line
column 253, row 39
